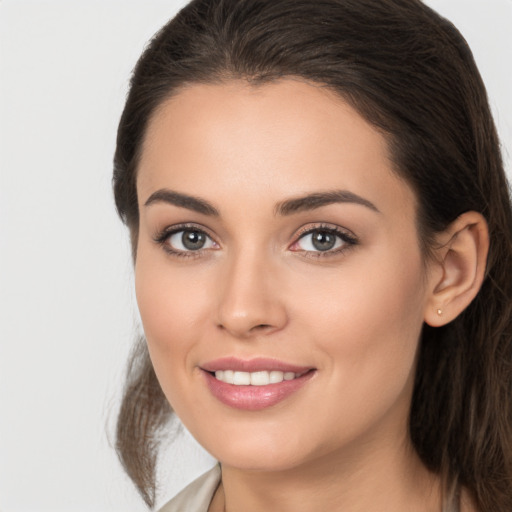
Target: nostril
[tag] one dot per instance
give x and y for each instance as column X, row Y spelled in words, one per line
column 261, row 327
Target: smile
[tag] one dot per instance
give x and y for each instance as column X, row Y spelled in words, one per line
column 255, row 384
column 261, row 378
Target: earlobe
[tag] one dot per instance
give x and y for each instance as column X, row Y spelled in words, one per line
column 459, row 268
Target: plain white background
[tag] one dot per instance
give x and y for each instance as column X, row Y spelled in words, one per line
column 67, row 310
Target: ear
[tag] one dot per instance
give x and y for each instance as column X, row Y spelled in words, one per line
column 458, row 269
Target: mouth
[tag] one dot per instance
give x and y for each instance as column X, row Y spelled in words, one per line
column 259, row 378
column 256, row 384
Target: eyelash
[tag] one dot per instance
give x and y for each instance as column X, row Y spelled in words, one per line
column 349, row 240
column 163, row 237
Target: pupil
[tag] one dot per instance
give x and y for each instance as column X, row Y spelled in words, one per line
column 323, row 240
column 193, row 240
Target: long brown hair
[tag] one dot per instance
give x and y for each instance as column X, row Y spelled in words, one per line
column 409, row 72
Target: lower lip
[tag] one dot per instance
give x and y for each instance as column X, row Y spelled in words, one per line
column 254, row 398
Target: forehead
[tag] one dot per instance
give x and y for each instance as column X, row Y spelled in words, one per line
column 279, row 139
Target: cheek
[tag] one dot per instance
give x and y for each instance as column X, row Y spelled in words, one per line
column 173, row 314
column 370, row 325
column 171, row 309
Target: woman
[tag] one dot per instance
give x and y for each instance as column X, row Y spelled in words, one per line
column 321, row 230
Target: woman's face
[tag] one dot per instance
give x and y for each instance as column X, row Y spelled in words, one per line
column 278, row 247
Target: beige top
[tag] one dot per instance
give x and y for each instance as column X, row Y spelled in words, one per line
column 197, row 496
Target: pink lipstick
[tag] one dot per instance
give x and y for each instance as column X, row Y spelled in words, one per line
column 254, row 384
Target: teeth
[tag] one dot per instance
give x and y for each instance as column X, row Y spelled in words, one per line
column 228, row 376
column 253, row 378
column 275, row 377
column 241, row 378
column 260, row 378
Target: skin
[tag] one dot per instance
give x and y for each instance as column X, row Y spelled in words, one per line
column 259, row 288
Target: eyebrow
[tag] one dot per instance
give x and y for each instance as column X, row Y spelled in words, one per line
column 288, row 207
column 183, row 201
column 319, row 199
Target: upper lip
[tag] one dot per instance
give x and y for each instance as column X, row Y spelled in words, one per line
column 257, row 364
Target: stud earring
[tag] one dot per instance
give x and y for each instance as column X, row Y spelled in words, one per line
column 439, row 311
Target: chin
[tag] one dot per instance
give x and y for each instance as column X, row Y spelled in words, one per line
column 271, row 461
column 268, row 451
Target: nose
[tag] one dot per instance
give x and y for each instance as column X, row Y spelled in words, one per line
column 250, row 297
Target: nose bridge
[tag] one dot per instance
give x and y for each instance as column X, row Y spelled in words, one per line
column 249, row 301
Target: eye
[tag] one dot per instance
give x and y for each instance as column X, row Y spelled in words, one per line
column 324, row 240
column 190, row 240
column 183, row 240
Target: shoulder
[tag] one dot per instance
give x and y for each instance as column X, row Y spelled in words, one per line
column 196, row 497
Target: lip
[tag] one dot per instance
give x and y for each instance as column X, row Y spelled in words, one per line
column 257, row 364
column 254, row 398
